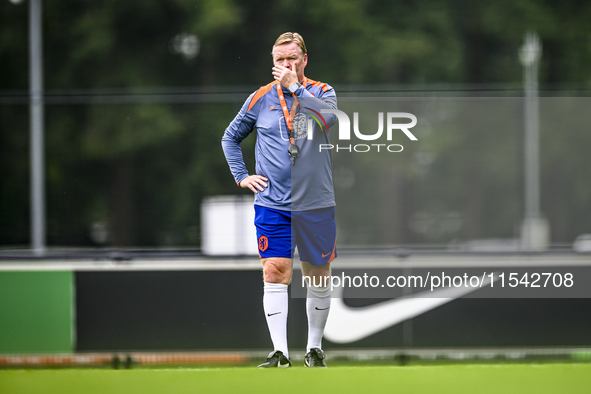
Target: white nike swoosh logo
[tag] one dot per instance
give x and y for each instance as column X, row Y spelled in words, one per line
column 346, row 324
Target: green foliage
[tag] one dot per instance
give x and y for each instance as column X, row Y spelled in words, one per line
column 154, row 160
column 119, row 130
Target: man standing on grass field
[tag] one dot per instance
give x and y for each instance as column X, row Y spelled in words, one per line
column 294, row 195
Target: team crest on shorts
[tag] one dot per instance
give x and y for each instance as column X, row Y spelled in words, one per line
column 263, row 243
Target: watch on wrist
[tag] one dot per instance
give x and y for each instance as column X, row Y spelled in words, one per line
column 294, row 86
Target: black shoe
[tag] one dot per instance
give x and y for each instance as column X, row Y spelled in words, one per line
column 276, row 359
column 315, row 358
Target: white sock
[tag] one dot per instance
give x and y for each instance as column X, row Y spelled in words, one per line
column 275, row 301
column 317, row 307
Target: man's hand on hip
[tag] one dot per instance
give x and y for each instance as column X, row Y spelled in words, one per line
column 255, row 183
column 285, row 76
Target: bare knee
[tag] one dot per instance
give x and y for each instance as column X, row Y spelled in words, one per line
column 277, row 270
column 318, row 274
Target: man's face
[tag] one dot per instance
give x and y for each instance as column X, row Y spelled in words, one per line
column 287, row 55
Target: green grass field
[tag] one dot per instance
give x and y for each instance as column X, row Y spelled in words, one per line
column 496, row 378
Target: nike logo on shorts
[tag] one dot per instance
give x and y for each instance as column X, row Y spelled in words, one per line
column 272, row 314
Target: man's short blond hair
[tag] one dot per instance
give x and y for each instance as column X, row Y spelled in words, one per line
column 289, row 37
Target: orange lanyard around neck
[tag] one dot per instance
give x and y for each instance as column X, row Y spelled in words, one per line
column 288, row 116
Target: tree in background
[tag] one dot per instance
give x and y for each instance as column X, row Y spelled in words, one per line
column 142, row 168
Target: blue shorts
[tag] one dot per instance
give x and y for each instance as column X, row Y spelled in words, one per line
column 314, row 232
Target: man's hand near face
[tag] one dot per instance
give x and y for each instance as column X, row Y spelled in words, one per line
column 285, row 76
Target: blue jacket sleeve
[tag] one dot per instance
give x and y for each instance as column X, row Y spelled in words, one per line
column 238, row 130
column 328, row 100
